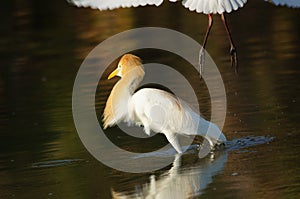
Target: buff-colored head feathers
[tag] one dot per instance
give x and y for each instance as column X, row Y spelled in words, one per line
column 126, row 64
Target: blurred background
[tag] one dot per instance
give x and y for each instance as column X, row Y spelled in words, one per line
column 42, row 45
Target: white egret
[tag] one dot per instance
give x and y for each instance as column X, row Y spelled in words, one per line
column 201, row 6
column 155, row 109
column 288, row 3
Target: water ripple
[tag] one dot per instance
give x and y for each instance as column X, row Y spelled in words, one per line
column 55, row 163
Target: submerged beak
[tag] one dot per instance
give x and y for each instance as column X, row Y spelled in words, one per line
column 114, row 73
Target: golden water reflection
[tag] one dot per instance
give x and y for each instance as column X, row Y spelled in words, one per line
column 42, row 47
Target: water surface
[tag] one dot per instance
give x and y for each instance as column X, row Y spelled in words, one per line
column 42, row 47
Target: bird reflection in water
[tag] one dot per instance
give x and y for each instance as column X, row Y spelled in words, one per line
column 179, row 181
column 191, row 179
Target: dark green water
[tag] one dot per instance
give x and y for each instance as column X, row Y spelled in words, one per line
column 42, row 45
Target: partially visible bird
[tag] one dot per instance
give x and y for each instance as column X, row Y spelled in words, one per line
column 201, row 6
column 155, row 109
column 288, row 3
column 208, row 7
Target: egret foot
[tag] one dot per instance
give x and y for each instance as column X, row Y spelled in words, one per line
column 219, row 146
column 233, row 55
column 205, row 148
column 201, row 61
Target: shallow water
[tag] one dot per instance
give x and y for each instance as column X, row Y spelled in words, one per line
column 41, row 156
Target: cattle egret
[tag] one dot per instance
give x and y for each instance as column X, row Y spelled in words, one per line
column 154, row 109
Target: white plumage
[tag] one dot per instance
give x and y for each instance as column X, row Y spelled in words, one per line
column 289, row 3
column 112, row 4
column 200, row 6
column 213, row 6
column 155, row 109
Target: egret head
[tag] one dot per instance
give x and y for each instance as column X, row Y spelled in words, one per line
column 127, row 64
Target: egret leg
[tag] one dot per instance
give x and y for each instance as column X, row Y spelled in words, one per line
column 176, row 165
column 202, row 50
column 173, row 139
column 146, row 123
column 233, row 52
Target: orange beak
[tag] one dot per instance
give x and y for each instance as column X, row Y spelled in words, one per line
column 114, row 73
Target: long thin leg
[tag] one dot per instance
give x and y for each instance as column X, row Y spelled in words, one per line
column 202, row 50
column 173, row 139
column 210, row 22
column 173, row 172
column 233, row 52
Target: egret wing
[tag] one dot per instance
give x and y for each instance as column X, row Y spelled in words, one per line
column 288, row 3
column 112, row 4
column 160, row 110
column 213, row 6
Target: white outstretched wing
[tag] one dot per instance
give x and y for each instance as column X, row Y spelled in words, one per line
column 112, row 4
column 200, row 6
column 288, row 3
column 212, row 6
